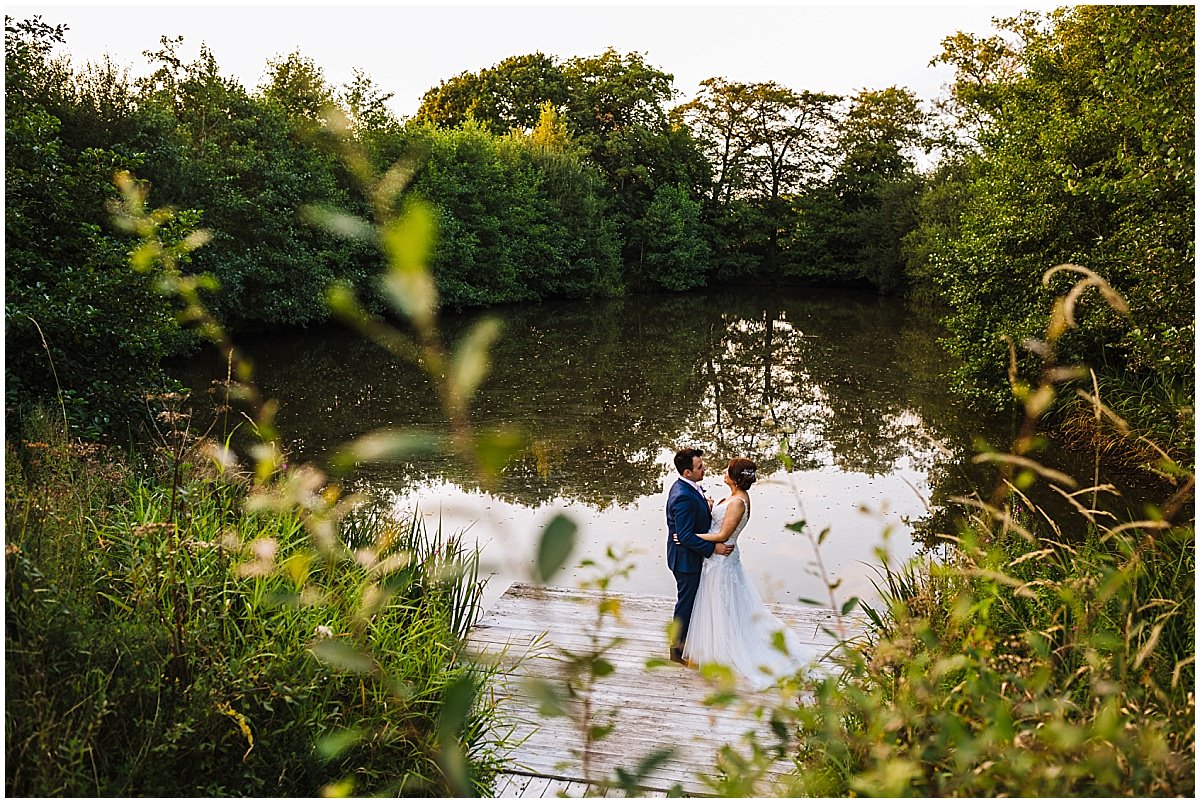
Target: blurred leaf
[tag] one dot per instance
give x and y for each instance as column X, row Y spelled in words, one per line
column 674, row 627
column 598, row 732
column 823, row 535
column 495, row 448
column 550, row 703
column 385, row 444
column 779, row 642
column 797, row 526
column 785, row 456
column 849, row 605
column 342, row 788
column 408, row 243
column 143, row 257
column 298, row 565
column 455, row 708
column 653, row 761
column 602, row 668
column 342, row 655
column 721, row 698
column 342, row 302
column 472, row 361
column 557, row 543
column 333, row 745
column 718, row 673
column 337, row 222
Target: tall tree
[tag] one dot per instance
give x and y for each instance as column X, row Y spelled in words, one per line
column 1085, row 125
column 719, row 117
column 876, row 184
column 502, row 97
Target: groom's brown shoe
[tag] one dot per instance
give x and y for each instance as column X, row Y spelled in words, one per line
column 677, row 656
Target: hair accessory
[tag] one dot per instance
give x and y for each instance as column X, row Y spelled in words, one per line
column 749, row 472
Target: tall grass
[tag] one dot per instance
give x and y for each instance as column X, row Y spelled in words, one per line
column 1025, row 664
column 104, row 699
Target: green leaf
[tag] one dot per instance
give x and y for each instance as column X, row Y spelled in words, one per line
column 849, row 605
column 550, row 703
column 341, row 655
column 797, row 526
column 823, row 535
column 557, row 543
column 472, row 361
column 119, row 603
column 495, row 448
column 409, row 283
column 654, row 760
column 333, row 745
column 598, row 732
column 456, row 707
column 340, row 299
column 342, row 788
column 337, row 222
column 385, row 444
column 602, row 668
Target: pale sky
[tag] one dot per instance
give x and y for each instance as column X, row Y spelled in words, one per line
column 407, row 48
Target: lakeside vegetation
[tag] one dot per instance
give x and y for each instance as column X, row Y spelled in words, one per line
column 1027, row 666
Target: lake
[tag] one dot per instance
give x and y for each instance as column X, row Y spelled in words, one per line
column 607, row 391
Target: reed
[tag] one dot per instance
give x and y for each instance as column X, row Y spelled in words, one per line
column 95, row 705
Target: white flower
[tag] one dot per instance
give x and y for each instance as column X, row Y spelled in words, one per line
column 322, row 631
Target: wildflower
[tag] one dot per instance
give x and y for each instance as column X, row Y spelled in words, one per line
column 11, row 550
column 323, row 631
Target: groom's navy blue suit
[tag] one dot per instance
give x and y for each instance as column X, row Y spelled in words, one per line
column 687, row 514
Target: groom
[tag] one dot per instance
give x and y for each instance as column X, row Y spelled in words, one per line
column 688, row 513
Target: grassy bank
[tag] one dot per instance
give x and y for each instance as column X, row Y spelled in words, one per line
column 162, row 639
column 1024, row 666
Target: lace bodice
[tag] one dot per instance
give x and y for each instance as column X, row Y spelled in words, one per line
column 718, row 520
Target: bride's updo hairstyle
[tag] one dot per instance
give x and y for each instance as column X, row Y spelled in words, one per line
column 743, row 471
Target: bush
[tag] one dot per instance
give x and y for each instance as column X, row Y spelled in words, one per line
column 142, row 660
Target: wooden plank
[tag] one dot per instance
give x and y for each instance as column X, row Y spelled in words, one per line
column 557, row 785
column 536, row 787
column 523, row 634
column 501, row 783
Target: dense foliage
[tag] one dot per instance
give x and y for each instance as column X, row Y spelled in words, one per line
column 154, row 649
column 1084, row 151
column 1069, row 140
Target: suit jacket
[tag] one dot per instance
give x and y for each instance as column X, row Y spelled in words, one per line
column 687, row 514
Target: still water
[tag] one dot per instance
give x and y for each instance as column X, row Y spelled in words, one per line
column 607, row 391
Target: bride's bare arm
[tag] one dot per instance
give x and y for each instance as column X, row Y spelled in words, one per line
column 729, row 524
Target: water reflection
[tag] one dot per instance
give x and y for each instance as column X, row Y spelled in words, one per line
column 607, row 391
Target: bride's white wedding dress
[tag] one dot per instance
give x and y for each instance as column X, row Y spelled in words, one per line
column 730, row 624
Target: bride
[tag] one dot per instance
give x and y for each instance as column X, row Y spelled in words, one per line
column 730, row 624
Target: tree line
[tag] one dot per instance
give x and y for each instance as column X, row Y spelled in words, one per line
column 1066, row 138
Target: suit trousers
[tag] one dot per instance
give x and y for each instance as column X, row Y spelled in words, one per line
column 686, row 586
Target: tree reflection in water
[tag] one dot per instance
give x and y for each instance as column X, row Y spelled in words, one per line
column 606, row 391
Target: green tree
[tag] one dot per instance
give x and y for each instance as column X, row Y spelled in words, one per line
column 673, row 248
column 80, row 327
column 1085, row 154
column 874, row 187
column 507, row 95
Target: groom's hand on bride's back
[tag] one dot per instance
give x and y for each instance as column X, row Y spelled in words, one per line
column 723, row 549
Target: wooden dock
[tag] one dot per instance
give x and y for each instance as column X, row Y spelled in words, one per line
column 656, row 707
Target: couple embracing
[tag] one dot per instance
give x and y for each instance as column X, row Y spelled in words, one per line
column 719, row 617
